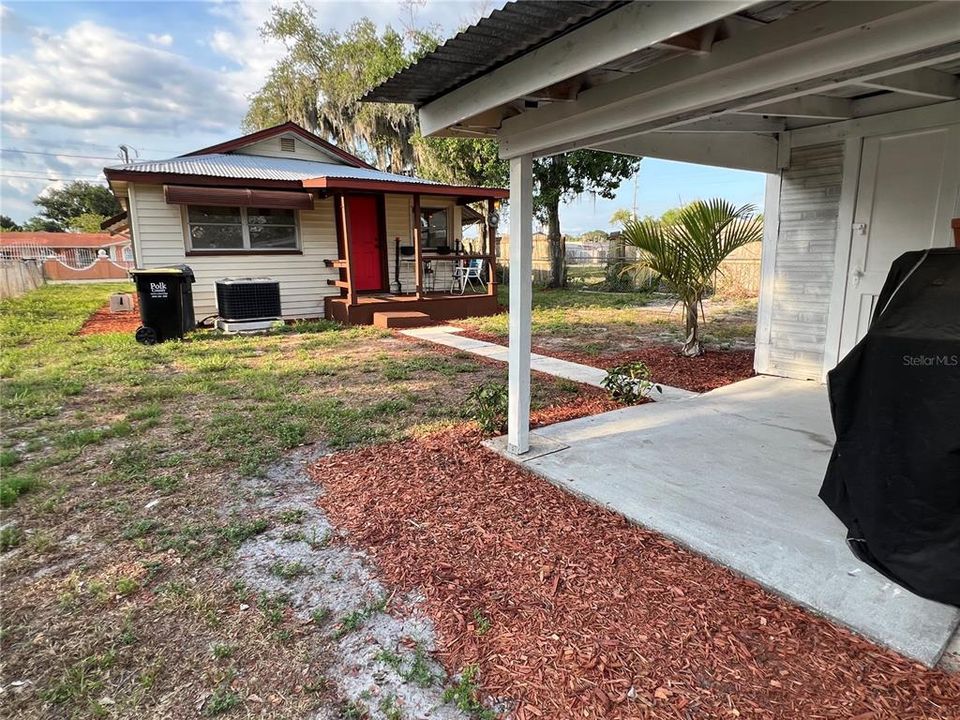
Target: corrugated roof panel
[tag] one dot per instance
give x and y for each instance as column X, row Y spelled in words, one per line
column 258, row 167
column 505, row 34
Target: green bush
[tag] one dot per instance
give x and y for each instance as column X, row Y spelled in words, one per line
column 629, row 383
column 488, row 406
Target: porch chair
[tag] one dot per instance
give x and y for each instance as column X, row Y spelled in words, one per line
column 464, row 274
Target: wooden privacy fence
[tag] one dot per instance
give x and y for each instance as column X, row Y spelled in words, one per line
column 18, row 277
column 55, row 270
column 740, row 272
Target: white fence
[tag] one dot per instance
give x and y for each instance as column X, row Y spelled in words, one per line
column 18, row 277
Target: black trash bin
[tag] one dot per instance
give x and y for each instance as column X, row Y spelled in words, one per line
column 166, row 303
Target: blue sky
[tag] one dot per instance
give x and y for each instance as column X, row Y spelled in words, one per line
column 79, row 78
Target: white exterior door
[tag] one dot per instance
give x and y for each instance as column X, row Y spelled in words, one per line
column 909, row 190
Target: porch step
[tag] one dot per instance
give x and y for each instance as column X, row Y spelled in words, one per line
column 401, row 319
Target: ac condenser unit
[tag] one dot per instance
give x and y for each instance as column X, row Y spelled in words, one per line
column 245, row 299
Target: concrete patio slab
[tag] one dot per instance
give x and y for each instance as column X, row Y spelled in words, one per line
column 447, row 335
column 734, row 474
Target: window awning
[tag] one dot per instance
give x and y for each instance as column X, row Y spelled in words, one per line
column 237, row 197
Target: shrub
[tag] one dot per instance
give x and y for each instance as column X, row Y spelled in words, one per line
column 488, row 406
column 629, row 383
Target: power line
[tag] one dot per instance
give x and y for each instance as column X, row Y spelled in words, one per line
column 37, row 176
column 37, row 152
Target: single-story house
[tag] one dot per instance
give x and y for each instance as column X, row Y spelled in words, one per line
column 343, row 239
column 852, row 110
column 75, row 249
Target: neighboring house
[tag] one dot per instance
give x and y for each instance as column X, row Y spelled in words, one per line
column 76, row 249
column 285, row 204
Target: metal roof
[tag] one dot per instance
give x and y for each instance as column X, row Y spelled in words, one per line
column 504, row 35
column 258, row 167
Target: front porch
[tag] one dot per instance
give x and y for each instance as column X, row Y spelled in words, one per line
column 438, row 306
column 734, row 474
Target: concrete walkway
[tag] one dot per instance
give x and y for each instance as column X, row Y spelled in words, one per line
column 734, row 475
column 448, row 335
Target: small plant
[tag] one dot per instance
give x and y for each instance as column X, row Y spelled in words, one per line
column 10, row 537
column 273, row 608
column 127, row 586
column 465, row 694
column 420, row 672
column 221, row 651
column 389, row 657
column 390, row 709
column 292, row 516
column 289, row 570
column 222, row 700
column 629, row 383
column 481, row 623
column 488, row 406
column 320, row 615
column 238, row 532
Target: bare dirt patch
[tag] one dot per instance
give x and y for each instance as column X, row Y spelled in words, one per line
column 571, row 612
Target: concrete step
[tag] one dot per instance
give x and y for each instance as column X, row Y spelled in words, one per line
column 401, row 319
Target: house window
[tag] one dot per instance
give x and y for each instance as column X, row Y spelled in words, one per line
column 434, row 227
column 127, row 253
column 212, row 228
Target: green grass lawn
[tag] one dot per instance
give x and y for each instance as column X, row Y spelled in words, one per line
column 104, row 598
column 604, row 322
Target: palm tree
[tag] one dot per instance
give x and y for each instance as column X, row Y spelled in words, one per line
column 687, row 252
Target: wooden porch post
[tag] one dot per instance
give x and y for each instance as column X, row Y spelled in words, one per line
column 417, row 250
column 491, row 251
column 521, row 301
column 345, row 229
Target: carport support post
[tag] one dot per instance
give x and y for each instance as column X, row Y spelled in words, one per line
column 521, row 297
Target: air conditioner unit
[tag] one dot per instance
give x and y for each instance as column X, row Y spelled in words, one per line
column 248, row 299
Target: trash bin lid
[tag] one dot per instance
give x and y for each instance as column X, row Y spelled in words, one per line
column 159, row 271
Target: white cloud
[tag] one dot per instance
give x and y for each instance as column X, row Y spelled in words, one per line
column 164, row 40
column 92, row 76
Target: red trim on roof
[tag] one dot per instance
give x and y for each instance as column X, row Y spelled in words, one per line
column 387, row 186
column 286, row 127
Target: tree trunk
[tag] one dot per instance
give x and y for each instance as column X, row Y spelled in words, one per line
column 692, row 345
column 558, row 252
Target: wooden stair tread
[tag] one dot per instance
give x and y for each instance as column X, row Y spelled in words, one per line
column 401, row 319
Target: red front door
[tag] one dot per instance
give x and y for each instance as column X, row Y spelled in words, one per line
column 366, row 250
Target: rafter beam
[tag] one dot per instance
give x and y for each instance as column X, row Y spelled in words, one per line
column 820, row 107
column 805, row 53
column 732, row 124
column 612, row 36
column 744, row 151
column 923, row 82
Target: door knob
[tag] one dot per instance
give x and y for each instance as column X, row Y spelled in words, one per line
column 857, row 275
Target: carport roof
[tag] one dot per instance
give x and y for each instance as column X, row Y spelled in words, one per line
column 505, row 34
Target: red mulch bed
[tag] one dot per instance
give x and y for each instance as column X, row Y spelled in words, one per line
column 592, row 617
column 104, row 321
column 713, row 369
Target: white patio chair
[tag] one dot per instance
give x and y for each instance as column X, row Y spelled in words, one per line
column 464, row 275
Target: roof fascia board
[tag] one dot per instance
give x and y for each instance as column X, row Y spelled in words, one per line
column 611, row 36
column 827, row 39
column 388, row 186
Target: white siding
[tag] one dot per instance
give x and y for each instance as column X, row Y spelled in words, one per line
column 303, row 150
column 303, row 278
column 803, row 266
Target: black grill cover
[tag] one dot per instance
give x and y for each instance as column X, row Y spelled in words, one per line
column 894, row 476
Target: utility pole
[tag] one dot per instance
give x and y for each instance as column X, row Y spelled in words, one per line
column 127, row 154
